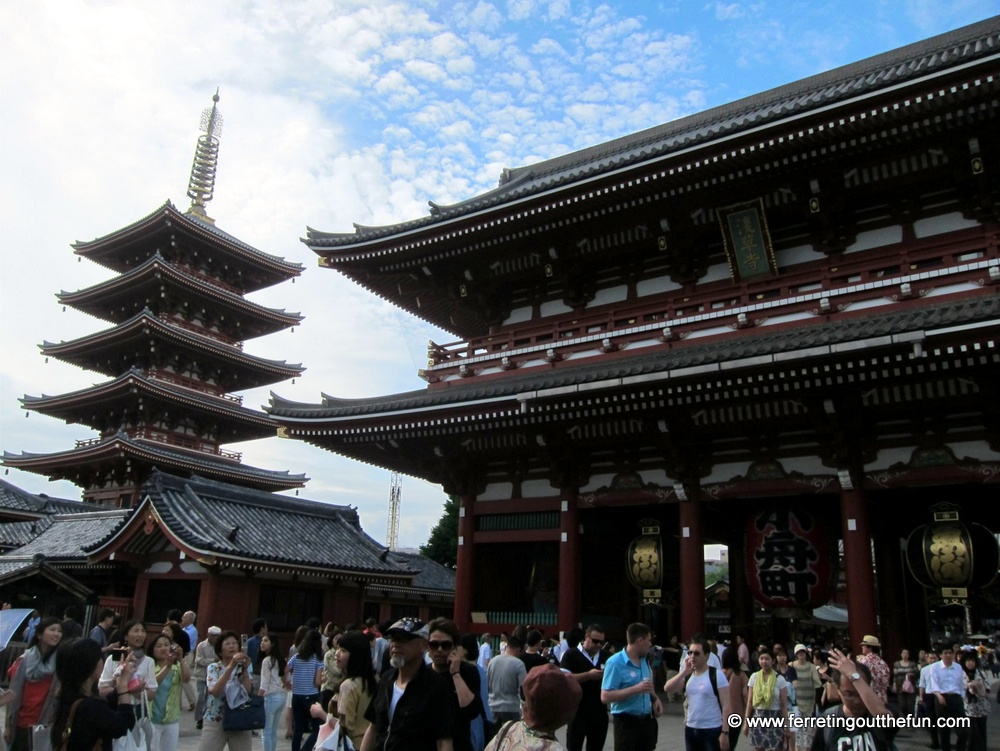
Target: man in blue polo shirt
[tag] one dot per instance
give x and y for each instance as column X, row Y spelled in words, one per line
column 628, row 687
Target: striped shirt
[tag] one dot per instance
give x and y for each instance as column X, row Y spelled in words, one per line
column 304, row 675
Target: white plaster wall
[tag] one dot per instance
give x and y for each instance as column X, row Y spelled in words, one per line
column 938, row 225
column 875, row 302
column 518, row 315
column 724, row 472
column 799, row 254
column 952, row 289
column 712, row 331
column 497, row 491
column 537, row 489
column 876, row 238
column 715, row 273
column 161, row 567
column 655, row 286
column 972, row 449
column 807, row 465
column 193, row 567
column 554, row 308
column 597, row 482
column 773, row 320
column 609, row 295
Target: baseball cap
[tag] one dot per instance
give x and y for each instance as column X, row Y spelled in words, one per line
column 408, row 628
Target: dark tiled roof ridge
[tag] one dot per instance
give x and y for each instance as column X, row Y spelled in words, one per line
column 729, row 348
column 172, row 453
column 81, row 246
column 155, row 384
column 36, row 502
column 199, row 339
column 255, row 497
column 157, row 258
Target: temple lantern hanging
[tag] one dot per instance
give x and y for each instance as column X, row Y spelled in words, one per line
column 789, row 563
column 645, row 562
column 952, row 557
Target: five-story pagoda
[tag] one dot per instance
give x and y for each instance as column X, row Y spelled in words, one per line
column 174, row 353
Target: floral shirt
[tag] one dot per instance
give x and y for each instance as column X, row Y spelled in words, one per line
column 977, row 703
column 881, row 674
column 213, row 704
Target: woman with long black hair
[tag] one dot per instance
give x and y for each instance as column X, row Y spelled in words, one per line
column 306, row 669
column 356, row 690
column 80, row 708
column 34, row 685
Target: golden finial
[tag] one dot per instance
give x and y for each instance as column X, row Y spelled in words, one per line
column 206, row 160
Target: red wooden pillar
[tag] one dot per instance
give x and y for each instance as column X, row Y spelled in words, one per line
column 569, row 559
column 858, row 568
column 464, row 566
column 692, row 570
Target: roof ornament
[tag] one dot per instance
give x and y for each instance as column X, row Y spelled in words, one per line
column 206, row 159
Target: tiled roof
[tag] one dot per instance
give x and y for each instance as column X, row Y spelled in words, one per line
column 745, row 345
column 227, row 521
column 169, row 211
column 14, row 499
column 69, row 535
column 432, row 576
column 920, row 60
column 15, row 534
column 157, row 453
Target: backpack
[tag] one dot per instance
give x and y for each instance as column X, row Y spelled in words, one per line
column 713, row 680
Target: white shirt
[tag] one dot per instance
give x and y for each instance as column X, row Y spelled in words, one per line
column 145, row 672
column 704, row 709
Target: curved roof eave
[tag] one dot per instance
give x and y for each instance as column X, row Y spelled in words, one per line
column 168, row 210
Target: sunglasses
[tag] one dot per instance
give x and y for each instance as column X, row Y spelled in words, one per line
column 596, row 641
column 441, row 645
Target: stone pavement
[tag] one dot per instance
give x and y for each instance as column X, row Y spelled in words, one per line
column 671, row 733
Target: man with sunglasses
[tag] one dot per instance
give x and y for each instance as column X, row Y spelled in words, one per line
column 586, row 663
column 462, row 676
column 412, row 707
column 707, row 692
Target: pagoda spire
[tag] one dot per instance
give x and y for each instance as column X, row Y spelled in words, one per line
column 206, row 159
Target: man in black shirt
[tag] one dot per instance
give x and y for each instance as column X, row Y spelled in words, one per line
column 412, row 706
column 860, row 703
column 463, row 677
column 532, row 656
column 586, row 663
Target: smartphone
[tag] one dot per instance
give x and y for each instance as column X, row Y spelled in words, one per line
column 243, row 643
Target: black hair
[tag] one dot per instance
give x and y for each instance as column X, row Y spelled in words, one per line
column 534, row 636
column 445, row 626
column 359, row 661
column 471, row 644
column 312, row 646
column 221, row 638
column 258, row 625
column 174, row 615
column 731, row 659
column 574, row 636
column 75, row 664
column 275, row 653
column 39, row 630
column 106, row 613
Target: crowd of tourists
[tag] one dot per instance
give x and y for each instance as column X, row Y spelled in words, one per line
column 409, row 685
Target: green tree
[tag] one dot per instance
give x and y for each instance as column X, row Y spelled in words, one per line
column 714, row 574
column 442, row 545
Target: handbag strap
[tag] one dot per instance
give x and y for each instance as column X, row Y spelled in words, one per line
column 69, row 725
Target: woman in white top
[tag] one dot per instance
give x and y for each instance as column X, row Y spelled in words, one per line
column 134, row 639
column 272, row 688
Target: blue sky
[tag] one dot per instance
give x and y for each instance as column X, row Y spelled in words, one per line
column 339, row 112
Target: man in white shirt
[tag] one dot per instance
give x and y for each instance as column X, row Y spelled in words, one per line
column 707, row 699
column 946, row 683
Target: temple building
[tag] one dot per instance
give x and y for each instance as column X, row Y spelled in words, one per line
column 169, row 518
column 174, row 353
column 772, row 325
